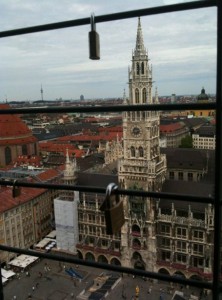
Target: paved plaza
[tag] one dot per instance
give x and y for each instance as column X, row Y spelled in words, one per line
column 47, row 280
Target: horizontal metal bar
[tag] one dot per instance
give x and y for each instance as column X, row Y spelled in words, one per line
column 113, row 108
column 111, row 17
column 104, row 266
column 92, row 189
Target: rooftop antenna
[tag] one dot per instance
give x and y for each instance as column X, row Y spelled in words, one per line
column 41, row 93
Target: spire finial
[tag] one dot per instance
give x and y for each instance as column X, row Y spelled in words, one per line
column 124, row 97
column 67, row 156
column 140, row 49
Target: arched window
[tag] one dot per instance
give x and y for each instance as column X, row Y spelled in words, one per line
column 144, row 95
column 137, row 96
column 133, row 152
column 142, row 68
column 141, row 151
column 24, row 150
column 137, row 68
column 8, row 155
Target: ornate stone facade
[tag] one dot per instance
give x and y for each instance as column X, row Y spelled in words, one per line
column 142, row 166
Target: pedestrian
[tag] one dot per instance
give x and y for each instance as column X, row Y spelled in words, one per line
column 161, row 297
column 37, row 285
column 15, row 297
column 33, row 288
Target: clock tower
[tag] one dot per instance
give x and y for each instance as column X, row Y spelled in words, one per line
column 142, row 166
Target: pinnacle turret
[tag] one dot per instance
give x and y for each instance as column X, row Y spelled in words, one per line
column 70, row 167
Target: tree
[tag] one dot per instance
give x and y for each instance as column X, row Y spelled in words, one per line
column 186, row 142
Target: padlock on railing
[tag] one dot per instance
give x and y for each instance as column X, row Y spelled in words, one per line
column 94, row 46
column 112, row 207
column 16, row 190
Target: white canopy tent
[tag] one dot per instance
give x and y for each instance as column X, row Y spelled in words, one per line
column 23, row 261
column 4, row 280
column 46, row 242
column 7, row 273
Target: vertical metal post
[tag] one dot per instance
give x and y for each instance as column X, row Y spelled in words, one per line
column 218, row 160
column 1, row 286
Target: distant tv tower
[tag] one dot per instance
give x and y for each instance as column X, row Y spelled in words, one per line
column 41, row 92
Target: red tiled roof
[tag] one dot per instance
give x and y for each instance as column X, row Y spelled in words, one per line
column 81, row 138
column 170, row 127
column 117, row 129
column 48, row 174
column 12, row 126
column 7, row 201
column 62, row 148
column 17, row 141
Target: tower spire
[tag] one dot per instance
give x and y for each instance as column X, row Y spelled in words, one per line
column 70, row 167
column 41, row 93
column 139, row 49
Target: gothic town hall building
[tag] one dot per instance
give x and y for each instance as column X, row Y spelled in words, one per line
column 166, row 236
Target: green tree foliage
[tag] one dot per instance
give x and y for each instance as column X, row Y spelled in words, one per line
column 186, row 142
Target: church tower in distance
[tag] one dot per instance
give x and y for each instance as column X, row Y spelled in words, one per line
column 142, row 166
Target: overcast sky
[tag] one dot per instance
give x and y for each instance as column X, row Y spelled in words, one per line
column 181, row 48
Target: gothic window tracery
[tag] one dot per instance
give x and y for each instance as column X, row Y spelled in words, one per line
column 142, row 68
column 137, row 95
column 141, row 152
column 137, row 68
column 133, row 152
column 144, row 95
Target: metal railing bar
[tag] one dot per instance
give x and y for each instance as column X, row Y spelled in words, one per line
column 104, row 266
column 218, row 162
column 110, row 108
column 111, row 17
column 101, row 190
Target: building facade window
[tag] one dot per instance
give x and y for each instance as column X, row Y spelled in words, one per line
column 181, row 258
column 141, row 151
column 181, row 246
column 190, row 176
column 137, row 68
column 133, row 152
column 142, row 67
column 137, row 98
column 166, row 255
column 171, row 175
column 180, row 175
column 197, row 262
column 198, row 235
column 165, row 229
column 165, row 243
column 198, row 249
column 144, row 95
column 181, row 232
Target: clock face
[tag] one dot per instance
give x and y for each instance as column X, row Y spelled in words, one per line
column 136, row 131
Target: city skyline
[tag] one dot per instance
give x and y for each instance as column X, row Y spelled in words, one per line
column 181, row 48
